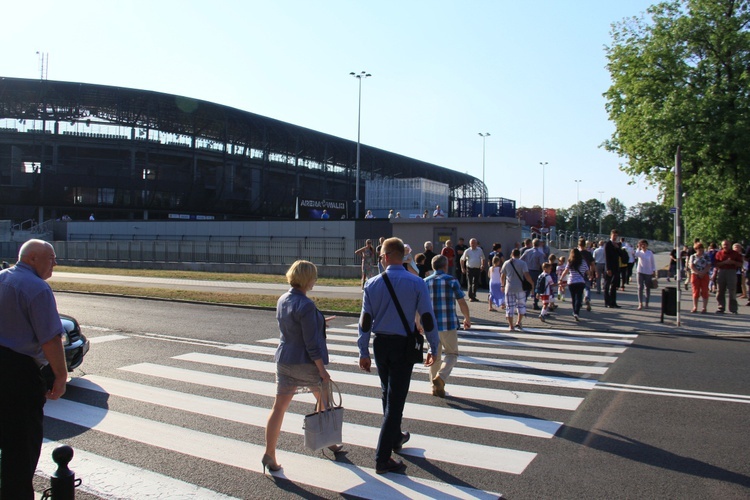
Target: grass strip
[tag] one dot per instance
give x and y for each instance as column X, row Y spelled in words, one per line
column 323, row 303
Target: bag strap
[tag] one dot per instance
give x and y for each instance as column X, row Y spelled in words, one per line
column 396, row 303
column 516, row 270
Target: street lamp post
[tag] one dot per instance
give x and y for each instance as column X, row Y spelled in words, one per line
column 600, row 213
column 359, row 76
column 484, row 140
column 578, row 205
column 544, row 209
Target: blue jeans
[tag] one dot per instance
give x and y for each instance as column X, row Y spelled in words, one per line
column 395, row 376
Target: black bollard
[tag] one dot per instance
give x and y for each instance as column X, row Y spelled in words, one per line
column 63, row 481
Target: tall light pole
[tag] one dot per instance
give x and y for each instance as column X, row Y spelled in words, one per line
column 600, row 213
column 544, row 210
column 484, row 140
column 578, row 205
column 359, row 76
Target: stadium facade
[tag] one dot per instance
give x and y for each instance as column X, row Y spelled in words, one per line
column 74, row 149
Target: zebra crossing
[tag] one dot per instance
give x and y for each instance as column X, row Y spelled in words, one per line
column 516, row 380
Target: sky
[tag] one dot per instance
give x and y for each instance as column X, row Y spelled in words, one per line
column 531, row 74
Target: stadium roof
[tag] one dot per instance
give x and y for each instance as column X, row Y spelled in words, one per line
column 47, row 100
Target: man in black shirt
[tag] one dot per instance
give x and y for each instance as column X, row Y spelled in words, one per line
column 612, row 270
column 460, row 248
column 429, row 254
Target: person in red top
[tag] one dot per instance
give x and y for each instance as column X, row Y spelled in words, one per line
column 727, row 261
column 449, row 253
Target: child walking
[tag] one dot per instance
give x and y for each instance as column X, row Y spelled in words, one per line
column 544, row 289
column 562, row 278
column 497, row 296
column 553, row 273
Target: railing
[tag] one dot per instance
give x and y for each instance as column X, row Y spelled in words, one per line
column 323, row 252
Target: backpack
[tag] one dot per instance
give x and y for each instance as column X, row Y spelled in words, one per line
column 541, row 284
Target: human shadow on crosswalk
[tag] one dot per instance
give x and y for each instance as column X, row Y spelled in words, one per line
column 638, row 451
column 402, row 478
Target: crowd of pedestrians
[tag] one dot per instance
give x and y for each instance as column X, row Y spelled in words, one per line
column 429, row 286
column 604, row 267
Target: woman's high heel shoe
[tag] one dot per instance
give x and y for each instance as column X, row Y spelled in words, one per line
column 267, row 461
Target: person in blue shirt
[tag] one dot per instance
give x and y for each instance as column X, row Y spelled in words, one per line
column 380, row 317
column 31, row 355
column 302, row 353
column 445, row 292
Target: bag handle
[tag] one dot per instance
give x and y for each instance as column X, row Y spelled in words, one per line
column 328, row 390
column 396, row 303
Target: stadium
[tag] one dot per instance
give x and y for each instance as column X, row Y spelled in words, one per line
column 69, row 150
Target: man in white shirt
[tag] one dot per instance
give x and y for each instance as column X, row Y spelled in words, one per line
column 438, row 212
column 601, row 262
column 472, row 264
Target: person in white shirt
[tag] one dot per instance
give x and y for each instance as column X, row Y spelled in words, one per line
column 601, row 263
column 472, row 263
column 646, row 272
column 631, row 260
column 438, row 212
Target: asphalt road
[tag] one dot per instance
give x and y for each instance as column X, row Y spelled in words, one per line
column 171, row 402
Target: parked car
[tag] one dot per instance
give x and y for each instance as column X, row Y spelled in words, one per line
column 75, row 343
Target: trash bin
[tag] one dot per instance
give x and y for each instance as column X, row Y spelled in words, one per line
column 668, row 301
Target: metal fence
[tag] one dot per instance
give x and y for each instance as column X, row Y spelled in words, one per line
column 284, row 251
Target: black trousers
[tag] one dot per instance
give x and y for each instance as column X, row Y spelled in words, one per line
column 474, row 274
column 22, row 398
column 395, row 377
column 611, row 284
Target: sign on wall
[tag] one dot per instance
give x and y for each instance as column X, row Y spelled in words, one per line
column 312, row 209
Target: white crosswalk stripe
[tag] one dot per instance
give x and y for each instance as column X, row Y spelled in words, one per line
column 558, row 367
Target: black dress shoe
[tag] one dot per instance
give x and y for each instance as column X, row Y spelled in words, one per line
column 405, row 437
column 616, row 306
column 389, row 466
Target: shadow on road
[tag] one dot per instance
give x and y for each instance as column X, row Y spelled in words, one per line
column 631, row 449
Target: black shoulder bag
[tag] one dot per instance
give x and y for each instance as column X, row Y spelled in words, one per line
column 414, row 340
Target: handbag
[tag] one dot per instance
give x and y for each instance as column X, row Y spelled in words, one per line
column 414, row 340
column 527, row 287
column 654, row 283
column 323, row 428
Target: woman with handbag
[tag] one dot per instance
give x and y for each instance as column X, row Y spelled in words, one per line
column 302, row 353
column 645, row 273
column 514, row 274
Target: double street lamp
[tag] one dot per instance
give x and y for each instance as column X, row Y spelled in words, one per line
column 359, row 76
column 484, row 137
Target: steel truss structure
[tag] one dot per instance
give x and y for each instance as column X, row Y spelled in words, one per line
column 73, row 148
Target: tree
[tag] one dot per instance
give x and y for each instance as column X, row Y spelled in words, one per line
column 591, row 211
column 681, row 78
column 615, row 213
column 651, row 221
